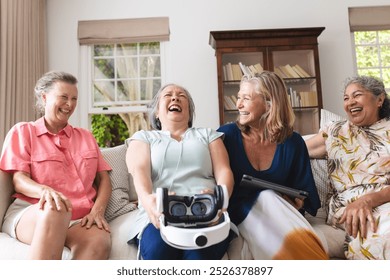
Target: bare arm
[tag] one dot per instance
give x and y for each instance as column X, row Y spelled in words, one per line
column 27, row 186
column 139, row 166
column 316, row 146
column 104, row 190
column 221, row 167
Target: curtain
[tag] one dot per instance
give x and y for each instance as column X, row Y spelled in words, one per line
column 135, row 30
column 369, row 18
column 23, row 59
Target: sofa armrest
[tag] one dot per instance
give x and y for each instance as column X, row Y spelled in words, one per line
column 6, row 191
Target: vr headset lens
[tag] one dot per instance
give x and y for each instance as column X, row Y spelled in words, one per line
column 199, row 208
column 196, row 208
column 178, row 209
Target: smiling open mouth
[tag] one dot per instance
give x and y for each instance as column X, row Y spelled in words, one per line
column 174, row 108
column 355, row 110
column 64, row 111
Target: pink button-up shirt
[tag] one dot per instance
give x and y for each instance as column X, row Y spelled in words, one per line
column 67, row 161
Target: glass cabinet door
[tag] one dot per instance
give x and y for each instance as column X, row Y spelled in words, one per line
column 297, row 67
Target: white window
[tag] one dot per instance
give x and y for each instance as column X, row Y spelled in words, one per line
column 370, row 28
column 124, row 76
column 372, row 53
column 120, row 75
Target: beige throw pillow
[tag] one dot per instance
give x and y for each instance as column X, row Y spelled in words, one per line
column 327, row 116
column 122, row 197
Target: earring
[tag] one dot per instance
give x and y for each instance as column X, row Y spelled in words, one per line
column 158, row 123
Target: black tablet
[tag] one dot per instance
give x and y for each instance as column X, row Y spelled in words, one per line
column 255, row 183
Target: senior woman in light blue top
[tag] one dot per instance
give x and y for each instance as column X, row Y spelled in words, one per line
column 177, row 156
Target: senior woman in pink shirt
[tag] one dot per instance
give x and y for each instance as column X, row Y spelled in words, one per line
column 61, row 181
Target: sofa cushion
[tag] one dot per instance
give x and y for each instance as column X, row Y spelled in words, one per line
column 319, row 166
column 332, row 238
column 133, row 194
column 122, row 199
column 327, row 116
column 120, row 233
column 320, row 175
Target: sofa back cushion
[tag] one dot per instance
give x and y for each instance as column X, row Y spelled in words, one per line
column 319, row 166
column 320, row 174
column 123, row 196
column 328, row 116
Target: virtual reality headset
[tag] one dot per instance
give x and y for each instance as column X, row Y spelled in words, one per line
column 193, row 222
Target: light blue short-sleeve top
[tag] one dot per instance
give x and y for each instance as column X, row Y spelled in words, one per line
column 184, row 167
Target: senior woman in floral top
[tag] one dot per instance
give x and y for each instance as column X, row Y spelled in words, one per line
column 358, row 151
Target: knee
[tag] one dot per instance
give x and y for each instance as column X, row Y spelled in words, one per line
column 160, row 251
column 153, row 247
column 99, row 247
column 55, row 216
column 268, row 195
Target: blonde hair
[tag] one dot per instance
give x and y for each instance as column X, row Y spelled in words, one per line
column 278, row 121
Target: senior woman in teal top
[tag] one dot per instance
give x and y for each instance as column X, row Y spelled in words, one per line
column 176, row 156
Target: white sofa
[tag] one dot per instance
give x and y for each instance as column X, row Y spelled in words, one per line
column 121, row 214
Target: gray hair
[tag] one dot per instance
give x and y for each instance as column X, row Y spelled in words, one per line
column 46, row 83
column 376, row 87
column 153, row 107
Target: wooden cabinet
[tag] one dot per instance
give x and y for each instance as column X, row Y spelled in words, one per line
column 290, row 52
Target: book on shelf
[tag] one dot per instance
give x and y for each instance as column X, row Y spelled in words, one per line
column 224, row 73
column 229, row 72
column 237, row 73
column 258, row 68
column 301, row 71
column 280, row 73
column 291, row 72
column 252, row 69
column 308, row 98
column 302, row 98
column 245, row 69
column 300, row 74
column 295, row 99
column 234, row 98
column 288, row 71
column 234, row 72
column 229, row 103
column 285, row 73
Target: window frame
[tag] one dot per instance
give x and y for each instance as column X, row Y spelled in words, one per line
column 377, row 45
column 86, row 87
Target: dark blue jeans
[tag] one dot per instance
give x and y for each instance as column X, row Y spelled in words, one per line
column 153, row 247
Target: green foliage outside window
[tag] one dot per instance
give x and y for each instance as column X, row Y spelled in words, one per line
column 109, row 130
column 373, row 54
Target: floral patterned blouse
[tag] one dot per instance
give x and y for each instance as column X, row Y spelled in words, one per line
column 358, row 163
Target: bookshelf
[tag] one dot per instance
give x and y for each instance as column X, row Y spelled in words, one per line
column 291, row 52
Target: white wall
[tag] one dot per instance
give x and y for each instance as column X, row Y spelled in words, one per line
column 191, row 61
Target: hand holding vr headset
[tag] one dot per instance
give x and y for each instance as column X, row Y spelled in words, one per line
column 193, row 222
